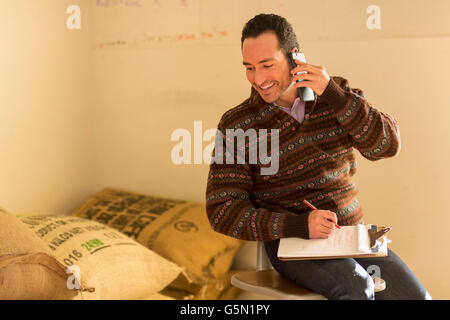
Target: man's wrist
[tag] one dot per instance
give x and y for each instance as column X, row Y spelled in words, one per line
column 296, row 226
column 334, row 95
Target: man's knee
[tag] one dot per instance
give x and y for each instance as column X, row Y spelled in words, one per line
column 359, row 286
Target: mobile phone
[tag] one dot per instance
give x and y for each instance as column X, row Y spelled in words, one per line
column 305, row 93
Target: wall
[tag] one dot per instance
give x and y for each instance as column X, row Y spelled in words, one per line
column 165, row 64
column 45, row 103
column 140, row 69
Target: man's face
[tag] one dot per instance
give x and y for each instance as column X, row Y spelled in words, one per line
column 267, row 67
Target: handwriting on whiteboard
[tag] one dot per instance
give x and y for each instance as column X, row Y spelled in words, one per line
column 180, row 38
column 130, row 3
column 118, row 3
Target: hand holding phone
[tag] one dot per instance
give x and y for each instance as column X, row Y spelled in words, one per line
column 305, row 93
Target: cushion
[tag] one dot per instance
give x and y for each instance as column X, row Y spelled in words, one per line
column 115, row 265
column 178, row 230
column 245, row 258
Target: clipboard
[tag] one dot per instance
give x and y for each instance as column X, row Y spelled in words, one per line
column 376, row 247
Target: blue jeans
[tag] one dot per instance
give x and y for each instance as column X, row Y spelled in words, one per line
column 349, row 279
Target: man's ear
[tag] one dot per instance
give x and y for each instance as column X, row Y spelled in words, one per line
column 291, row 62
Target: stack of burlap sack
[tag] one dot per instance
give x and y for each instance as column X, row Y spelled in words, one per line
column 118, row 245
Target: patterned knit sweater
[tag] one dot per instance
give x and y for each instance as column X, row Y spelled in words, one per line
column 316, row 162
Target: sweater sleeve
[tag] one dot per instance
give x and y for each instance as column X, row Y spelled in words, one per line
column 375, row 134
column 231, row 211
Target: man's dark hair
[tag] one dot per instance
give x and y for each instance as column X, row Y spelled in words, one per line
column 271, row 22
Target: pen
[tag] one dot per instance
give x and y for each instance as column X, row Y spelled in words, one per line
column 314, row 208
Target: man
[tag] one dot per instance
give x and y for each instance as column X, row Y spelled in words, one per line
column 316, row 161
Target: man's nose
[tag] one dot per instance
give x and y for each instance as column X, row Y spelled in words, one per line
column 260, row 77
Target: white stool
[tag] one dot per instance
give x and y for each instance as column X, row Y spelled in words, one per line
column 267, row 281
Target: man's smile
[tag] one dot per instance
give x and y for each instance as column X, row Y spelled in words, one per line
column 265, row 88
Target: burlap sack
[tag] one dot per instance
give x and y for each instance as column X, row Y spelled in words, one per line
column 117, row 266
column 212, row 291
column 215, row 291
column 232, row 293
column 178, row 230
column 27, row 268
column 177, row 294
column 157, row 296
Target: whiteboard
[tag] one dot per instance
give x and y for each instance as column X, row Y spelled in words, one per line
column 149, row 23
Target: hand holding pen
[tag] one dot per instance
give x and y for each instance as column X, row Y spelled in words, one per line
column 321, row 223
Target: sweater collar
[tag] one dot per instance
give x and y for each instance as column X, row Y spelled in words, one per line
column 256, row 100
